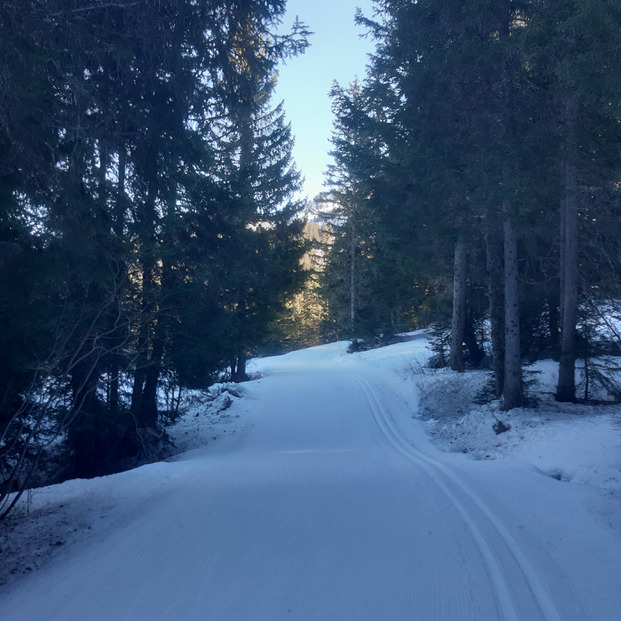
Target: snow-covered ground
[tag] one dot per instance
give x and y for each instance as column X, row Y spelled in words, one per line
column 337, row 486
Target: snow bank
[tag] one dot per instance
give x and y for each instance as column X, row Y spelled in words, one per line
column 569, row 442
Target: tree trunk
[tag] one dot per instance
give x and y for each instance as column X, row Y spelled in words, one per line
column 566, row 387
column 496, row 295
column 115, row 386
column 512, row 374
column 512, row 392
column 238, row 371
column 148, row 403
column 149, row 293
column 87, row 430
column 458, row 322
column 118, row 225
column 140, row 374
column 121, row 197
column 352, row 274
column 475, row 353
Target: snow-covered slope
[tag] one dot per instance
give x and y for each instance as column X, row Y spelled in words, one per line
column 340, row 487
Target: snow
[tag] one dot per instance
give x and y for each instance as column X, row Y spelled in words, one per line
column 338, row 486
column 569, row 442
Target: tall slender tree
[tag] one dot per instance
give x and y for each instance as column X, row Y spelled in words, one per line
column 575, row 56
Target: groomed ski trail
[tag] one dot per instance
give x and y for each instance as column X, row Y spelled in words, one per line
column 519, row 591
column 323, row 510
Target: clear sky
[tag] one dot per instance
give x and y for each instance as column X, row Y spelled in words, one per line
column 337, row 52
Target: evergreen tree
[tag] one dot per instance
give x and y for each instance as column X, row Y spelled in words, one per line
column 574, row 57
column 367, row 288
column 120, row 216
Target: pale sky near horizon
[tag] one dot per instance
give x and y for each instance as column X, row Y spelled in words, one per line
column 337, row 52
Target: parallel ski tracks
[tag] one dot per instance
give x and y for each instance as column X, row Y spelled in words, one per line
column 518, row 590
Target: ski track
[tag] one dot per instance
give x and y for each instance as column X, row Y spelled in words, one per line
column 520, row 593
column 323, row 511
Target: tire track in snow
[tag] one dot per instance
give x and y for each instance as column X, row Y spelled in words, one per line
column 519, row 592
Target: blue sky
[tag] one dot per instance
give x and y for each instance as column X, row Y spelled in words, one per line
column 337, row 53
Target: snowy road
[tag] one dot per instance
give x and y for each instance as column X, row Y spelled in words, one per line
column 330, row 508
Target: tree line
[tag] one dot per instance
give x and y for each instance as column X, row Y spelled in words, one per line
column 150, row 226
column 477, row 180
column 149, row 219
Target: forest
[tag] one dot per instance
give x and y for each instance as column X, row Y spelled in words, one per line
column 153, row 238
column 476, row 184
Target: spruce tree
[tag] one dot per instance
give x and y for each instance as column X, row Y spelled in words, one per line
column 111, row 134
column 573, row 56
